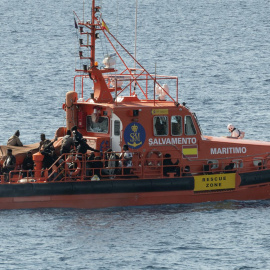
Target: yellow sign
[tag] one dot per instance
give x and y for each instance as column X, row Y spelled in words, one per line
column 214, row 182
column 160, row 111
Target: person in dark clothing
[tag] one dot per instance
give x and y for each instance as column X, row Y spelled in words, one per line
column 28, row 165
column 48, row 151
column 49, row 158
column 97, row 165
column 67, row 143
column 83, row 147
column 43, row 141
column 160, row 127
column 90, row 164
column 9, row 164
column 107, row 155
column 169, row 166
column 77, row 136
column 229, row 167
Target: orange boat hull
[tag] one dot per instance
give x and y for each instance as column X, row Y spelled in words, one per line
column 90, row 201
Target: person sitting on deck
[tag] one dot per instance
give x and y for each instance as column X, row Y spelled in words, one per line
column 9, row 164
column 169, row 166
column 43, row 141
column 235, row 133
column 14, row 140
column 28, row 165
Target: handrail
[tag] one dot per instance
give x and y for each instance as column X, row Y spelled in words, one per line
column 143, row 167
column 136, row 78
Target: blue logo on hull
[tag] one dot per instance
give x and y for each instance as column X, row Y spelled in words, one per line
column 134, row 135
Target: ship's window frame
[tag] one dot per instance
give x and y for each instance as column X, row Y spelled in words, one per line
column 197, row 122
column 238, row 163
column 213, row 163
column 89, row 122
column 116, row 128
column 164, row 119
column 189, row 126
column 175, row 127
column 258, row 162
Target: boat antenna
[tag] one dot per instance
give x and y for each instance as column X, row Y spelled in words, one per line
column 83, row 10
column 135, row 42
column 117, row 25
column 155, row 80
column 116, row 45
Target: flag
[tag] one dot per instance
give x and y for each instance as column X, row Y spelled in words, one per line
column 76, row 25
column 190, row 151
column 104, row 26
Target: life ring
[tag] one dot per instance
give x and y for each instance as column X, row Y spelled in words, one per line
column 153, row 158
column 75, row 161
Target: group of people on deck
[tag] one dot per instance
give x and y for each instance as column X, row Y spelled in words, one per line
column 10, row 161
column 73, row 144
column 74, row 147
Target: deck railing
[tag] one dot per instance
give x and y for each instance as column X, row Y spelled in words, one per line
column 69, row 167
column 131, row 80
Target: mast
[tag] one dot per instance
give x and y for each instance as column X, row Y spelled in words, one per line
column 93, row 34
column 102, row 82
column 135, row 42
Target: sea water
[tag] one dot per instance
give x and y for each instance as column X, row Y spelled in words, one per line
column 220, row 50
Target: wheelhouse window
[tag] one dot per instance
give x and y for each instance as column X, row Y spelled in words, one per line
column 117, row 128
column 189, row 126
column 176, row 125
column 100, row 125
column 160, row 125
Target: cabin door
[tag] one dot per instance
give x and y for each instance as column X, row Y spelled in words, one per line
column 116, row 133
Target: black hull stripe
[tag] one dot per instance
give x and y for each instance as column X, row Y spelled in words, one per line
column 254, row 178
column 96, row 187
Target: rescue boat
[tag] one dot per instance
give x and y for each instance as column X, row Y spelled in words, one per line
column 170, row 161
